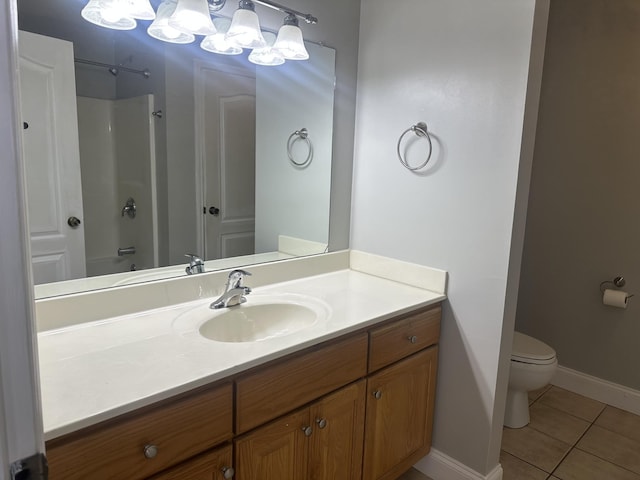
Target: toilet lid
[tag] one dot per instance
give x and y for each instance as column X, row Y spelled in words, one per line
column 531, row 350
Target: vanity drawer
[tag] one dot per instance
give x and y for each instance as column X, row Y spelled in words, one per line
column 404, row 337
column 279, row 388
column 178, row 430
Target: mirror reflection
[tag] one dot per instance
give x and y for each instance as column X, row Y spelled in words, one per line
column 139, row 153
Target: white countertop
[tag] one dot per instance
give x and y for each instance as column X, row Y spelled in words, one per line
column 94, row 371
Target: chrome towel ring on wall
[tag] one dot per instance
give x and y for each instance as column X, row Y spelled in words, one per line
column 302, row 134
column 420, row 129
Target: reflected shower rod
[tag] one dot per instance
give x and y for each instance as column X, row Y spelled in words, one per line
column 114, row 69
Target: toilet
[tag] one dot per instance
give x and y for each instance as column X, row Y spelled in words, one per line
column 533, row 364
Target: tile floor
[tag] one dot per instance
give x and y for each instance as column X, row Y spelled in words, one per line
column 572, row 437
column 414, row 474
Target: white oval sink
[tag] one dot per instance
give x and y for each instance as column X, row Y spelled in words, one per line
column 260, row 318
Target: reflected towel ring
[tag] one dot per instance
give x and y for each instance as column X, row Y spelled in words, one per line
column 295, row 136
column 420, row 129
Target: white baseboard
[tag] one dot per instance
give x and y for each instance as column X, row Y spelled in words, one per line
column 439, row 466
column 607, row 392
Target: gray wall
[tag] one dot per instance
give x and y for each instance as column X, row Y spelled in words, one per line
column 585, row 201
column 461, row 66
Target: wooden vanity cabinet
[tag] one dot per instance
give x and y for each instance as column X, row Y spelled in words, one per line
column 146, row 442
column 321, row 442
column 356, row 407
column 403, row 358
column 399, row 416
column 214, row 465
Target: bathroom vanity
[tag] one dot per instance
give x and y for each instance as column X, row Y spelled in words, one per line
column 352, row 399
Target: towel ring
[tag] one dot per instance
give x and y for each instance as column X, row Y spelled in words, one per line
column 302, row 134
column 420, row 129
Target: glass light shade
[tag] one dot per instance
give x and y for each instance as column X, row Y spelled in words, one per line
column 290, row 43
column 161, row 30
column 266, row 55
column 141, row 9
column 109, row 14
column 217, row 43
column 192, row 16
column 245, row 30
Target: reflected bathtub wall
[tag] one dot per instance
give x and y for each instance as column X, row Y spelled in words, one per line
column 108, row 129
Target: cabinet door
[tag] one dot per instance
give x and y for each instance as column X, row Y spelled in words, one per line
column 337, row 440
column 399, row 415
column 209, row 466
column 276, row 451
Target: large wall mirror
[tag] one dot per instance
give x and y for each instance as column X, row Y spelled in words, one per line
column 139, row 152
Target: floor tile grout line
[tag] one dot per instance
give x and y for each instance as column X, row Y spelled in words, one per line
column 573, row 447
column 608, row 461
column 537, row 467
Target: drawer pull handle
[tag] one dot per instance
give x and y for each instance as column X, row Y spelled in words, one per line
column 413, row 339
column 150, row 451
column 377, row 394
column 228, row 472
column 322, row 422
column 307, row 431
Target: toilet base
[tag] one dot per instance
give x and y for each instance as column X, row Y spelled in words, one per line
column 517, row 411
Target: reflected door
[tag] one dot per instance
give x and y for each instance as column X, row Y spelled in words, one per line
column 229, row 130
column 51, row 158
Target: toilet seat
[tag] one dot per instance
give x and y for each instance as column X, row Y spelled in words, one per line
column 530, row 350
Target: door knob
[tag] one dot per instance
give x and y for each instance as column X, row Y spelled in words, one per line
column 73, row 222
column 214, row 211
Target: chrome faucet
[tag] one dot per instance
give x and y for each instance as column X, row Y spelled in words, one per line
column 196, row 264
column 235, row 292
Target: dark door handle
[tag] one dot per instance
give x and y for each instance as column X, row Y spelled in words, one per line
column 73, row 222
column 214, row 211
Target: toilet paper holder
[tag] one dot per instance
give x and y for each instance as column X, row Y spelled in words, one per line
column 618, row 282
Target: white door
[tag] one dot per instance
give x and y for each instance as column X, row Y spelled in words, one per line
column 20, row 415
column 228, row 135
column 51, row 157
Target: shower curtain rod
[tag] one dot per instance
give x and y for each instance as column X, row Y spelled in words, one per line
column 114, row 69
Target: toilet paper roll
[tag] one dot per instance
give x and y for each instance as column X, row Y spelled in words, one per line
column 615, row 298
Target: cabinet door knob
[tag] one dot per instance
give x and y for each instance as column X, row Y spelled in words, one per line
column 228, row 472
column 150, row 451
column 307, row 431
column 322, row 422
column 413, row 339
column 377, row 394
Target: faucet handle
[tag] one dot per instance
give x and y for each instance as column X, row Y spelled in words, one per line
column 193, row 258
column 196, row 264
column 236, row 277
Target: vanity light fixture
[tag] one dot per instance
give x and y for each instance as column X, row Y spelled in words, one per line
column 178, row 21
column 217, row 43
column 109, row 13
column 192, row 16
column 267, row 55
column 289, row 42
column 161, row 29
column 245, row 27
